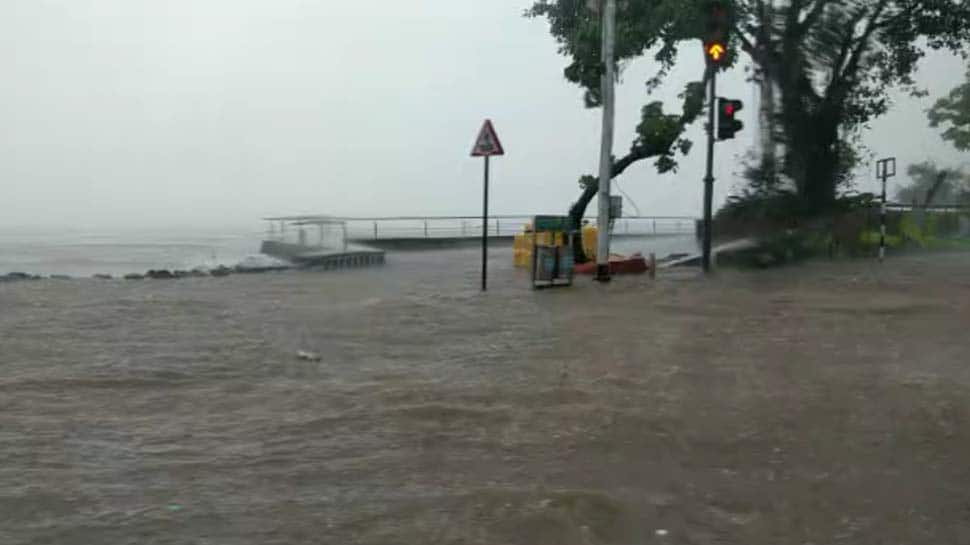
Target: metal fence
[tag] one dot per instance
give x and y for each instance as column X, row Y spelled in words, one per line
column 498, row 226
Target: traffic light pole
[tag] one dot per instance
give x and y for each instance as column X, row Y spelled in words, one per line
column 709, row 177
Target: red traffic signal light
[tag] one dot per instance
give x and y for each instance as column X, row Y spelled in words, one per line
column 727, row 125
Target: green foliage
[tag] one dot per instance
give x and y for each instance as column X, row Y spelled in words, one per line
column 834, row 63
column 658, row 135
column 910, row 229
column 776, row 207
column 953, row 112
column 641, row 25
column 871, row 237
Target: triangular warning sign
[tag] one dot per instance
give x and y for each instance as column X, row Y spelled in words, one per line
column 487, row 142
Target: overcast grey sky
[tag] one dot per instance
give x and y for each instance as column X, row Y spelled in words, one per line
column 218, row 112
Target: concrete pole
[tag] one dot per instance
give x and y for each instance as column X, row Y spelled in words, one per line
column 607, row 80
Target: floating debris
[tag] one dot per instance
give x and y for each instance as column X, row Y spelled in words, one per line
column 308, row 356
column 160, row 274
column 221, row 270
column 18, row 276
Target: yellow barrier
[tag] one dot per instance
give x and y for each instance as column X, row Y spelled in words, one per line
column 589, row 241
column 523, row 242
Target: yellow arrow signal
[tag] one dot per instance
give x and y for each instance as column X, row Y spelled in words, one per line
column 716, row 51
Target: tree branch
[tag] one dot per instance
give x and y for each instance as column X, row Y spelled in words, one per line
column 635, row 155
column 814, row 13
column 747, row 46
column 844, row 52
column 907, row 13
column 852, row 66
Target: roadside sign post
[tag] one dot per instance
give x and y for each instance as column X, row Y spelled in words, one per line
column 885, row 168
column 486, row 145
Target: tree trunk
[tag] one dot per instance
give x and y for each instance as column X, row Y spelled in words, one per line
column 766, row 113
column 922, row 211
column 812, row 157
column 576, row 213
column 578, row 209
column 823, row 162
column 940, row 178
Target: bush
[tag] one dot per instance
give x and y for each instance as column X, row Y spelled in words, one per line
column 787, row 231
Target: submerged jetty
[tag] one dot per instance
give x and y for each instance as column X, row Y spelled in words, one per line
column 318, row 242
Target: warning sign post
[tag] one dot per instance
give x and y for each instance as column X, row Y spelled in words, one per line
column 486, row 145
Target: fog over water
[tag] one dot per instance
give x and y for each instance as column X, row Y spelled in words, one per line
column 213, row 113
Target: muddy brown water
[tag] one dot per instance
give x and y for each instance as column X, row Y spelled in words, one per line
column 823, row 404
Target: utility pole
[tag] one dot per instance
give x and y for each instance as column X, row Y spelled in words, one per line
column 607, row 80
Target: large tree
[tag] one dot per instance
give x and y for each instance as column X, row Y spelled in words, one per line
column 933, row 185
column 832, row 61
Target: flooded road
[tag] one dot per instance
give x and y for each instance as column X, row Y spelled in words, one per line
column 815, row 405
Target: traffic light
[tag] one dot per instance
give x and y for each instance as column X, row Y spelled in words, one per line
column 716, row 34
column 715, row 51
column 727, row 124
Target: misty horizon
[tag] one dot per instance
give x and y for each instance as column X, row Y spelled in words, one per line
column 217, row 113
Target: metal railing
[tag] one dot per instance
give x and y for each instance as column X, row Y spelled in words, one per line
column 375, row 228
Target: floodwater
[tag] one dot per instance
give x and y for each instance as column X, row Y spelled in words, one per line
column 822, row 404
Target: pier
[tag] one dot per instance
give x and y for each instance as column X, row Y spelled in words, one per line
column 289, row 239
column 421, row 232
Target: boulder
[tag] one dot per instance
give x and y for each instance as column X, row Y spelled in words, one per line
column 221, row 270
column 160, row 274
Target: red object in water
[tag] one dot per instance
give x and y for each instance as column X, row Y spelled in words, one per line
column 635, row 264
